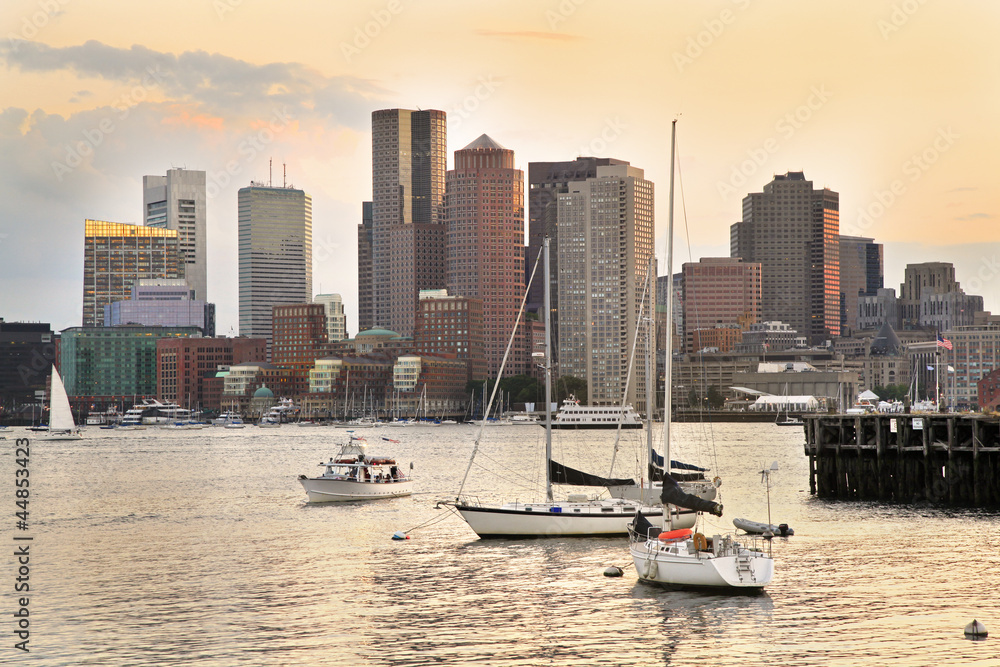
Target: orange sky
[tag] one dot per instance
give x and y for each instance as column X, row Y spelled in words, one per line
column 891, row 104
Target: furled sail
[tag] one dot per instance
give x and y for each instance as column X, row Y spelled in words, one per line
column 673, row 495
column 676, row 465
column 561, row 474
column 657, row 474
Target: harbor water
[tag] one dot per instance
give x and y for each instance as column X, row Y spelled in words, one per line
column 196, row 548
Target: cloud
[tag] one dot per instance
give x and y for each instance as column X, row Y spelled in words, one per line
column 221, row 84
column 976, row 216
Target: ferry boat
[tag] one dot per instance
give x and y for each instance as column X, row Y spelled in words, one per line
column 574, row 415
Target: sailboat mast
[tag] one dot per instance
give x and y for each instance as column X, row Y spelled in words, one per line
column 668, row 368
column 650, row 344
column 546, row 272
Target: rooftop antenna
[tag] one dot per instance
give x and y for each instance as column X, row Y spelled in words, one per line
column 269, row 161
column 284, row 175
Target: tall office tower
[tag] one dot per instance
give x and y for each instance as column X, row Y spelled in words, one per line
column 546, row 181
column 177, row 201
column 484, row 210
column 605, row 230
column 931, row 297
column 408, row 165
column 719, row 293
column 275, row 245
column 116, row 256
column 336, row 320
column 793, row 231
column 860, row 276
column 366, row 285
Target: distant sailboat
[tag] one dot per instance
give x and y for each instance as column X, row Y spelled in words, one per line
column 61, row 424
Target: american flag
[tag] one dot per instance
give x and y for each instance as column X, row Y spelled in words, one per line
column 944, row 342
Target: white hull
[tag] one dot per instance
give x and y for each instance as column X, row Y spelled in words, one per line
column 726, row 565
column 269, row 425
column 538, row 519
column 320, row 490
column 60, row 436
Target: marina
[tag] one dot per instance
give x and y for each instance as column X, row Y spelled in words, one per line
column 199, row 548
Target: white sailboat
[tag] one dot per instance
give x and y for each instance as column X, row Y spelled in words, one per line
column 579, row 515
column 680, row 557
column 61, row 424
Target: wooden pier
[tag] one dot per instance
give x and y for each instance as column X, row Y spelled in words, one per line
column 949, row 459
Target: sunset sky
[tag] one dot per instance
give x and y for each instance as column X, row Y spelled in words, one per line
column 895, row 105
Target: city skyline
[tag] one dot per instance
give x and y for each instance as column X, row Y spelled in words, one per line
column 870, row 106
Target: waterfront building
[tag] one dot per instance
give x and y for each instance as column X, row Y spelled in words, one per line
column 184, row 364
column 27, row 352
column 722, row 293
column 861, row 270
column 177, row 201
column 452, row 325
column 162, row 303
column 407, row 233
column 275, row 254
column 793, row 231
column 113, row 361
column 484, row 211
column 298, row 335
column 975, row 354
column 605, row 229
column 336, row 320
column 116, row 256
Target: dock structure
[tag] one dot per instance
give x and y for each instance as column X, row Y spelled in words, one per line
column 951, row 459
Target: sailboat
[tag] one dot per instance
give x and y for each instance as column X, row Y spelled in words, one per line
column 680, row 557
column 578, row 515
column 787, row 420
column 61, row 424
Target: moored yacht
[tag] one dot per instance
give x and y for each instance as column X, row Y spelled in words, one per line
column 573, row 415
column 354, row 475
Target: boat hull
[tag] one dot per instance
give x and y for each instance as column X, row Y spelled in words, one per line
column 681, row 566
column 320, row 490
column 573, row 519
column 49, row 437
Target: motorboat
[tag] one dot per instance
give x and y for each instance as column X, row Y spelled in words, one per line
column 354, row 475
column 761, row 528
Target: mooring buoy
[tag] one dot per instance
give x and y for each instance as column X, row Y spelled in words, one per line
column 976, row 630
column 613, row 572
column 400, row 535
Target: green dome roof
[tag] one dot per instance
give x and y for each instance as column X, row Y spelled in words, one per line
column 263, row 392
column 376, row 332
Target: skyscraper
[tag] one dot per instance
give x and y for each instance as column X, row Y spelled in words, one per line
column 275, row 254
column 366, row 284
column 407, row 233
column 793, row 231
column 116, row 256
column 177, row 201
column 860, row 275
column 484, row 210
column 719, row 293
column 546, row 181
column 605, row 230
